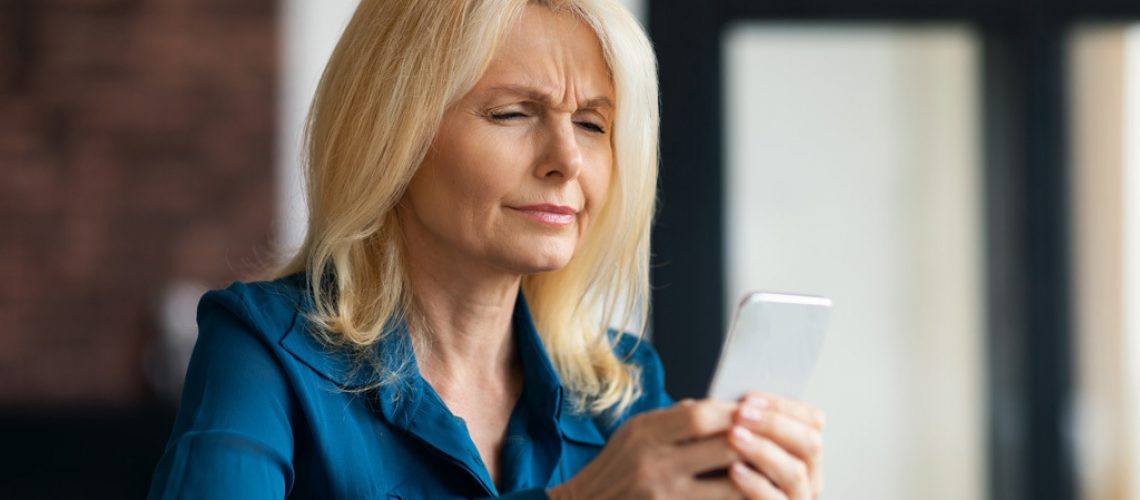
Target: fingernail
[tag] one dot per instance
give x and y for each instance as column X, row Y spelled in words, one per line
column 757, row 402
column 739, row 468
column 751, row 413
column 742, row 434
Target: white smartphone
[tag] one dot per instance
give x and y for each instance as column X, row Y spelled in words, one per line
column 771, row 346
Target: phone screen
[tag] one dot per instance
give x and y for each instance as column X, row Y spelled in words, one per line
column 772, row 345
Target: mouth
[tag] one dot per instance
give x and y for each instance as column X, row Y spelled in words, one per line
column 551, row 215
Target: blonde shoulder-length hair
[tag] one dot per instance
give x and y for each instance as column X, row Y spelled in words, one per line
column 396, row 69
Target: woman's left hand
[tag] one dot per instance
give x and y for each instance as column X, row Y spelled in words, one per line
column 781, row 442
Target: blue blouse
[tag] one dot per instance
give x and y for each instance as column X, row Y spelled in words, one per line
column 264, row 414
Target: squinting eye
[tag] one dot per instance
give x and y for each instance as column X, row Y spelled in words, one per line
column 507, row 115
column 593, row 127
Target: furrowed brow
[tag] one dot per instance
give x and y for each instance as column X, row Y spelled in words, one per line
column 548, row 98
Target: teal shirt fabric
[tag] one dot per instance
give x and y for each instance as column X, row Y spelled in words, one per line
column 265, row 414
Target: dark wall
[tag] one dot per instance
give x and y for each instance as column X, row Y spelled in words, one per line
column 136, row 148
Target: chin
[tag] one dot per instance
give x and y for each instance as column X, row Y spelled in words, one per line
column 530, row 261
column 536, row 255
column 541, row 265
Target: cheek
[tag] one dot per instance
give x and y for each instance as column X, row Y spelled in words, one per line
column 479, row 182
column 464, row 182
column 596, row 183
column 458, row 195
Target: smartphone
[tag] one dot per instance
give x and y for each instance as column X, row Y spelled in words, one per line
column 771, row 346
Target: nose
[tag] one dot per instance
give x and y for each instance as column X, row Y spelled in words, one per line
column 562, row 155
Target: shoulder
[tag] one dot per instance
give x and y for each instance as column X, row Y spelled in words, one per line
column 247, row 320
column 267, row 308
column 234, row 430
column 634, row 349
column 275, row 314
column 640, row 353
column 641, row 358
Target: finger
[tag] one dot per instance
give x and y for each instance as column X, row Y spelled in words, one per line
column 817, row 479
column 709, row 454
column 711, row 488
column 752, row 484
column 805, row 442
column 798, row 410
column 793, row 435
column 789, row 473
column 690, row 420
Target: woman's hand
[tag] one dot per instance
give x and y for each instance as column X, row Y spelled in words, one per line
column 659, row 454
column 780, row 442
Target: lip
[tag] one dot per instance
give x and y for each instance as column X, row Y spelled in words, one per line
column 548, row 214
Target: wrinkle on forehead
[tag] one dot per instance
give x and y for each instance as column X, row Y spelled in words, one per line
column 556, row 53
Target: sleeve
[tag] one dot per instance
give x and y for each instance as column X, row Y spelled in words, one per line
column 233, row 434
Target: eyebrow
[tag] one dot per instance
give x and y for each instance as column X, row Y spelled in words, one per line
column 548, row 97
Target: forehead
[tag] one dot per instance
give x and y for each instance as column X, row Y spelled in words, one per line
column 554, row 51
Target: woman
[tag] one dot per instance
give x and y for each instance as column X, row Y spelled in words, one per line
column 481, row 183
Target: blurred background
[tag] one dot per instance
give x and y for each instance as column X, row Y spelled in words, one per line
column 961, row 177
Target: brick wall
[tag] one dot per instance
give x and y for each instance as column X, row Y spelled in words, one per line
column 136, row 149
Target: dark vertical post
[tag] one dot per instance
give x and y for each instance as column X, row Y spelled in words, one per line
column 688, row 236
column 1048, row 336
column 1003, row 77
column 1028, row 265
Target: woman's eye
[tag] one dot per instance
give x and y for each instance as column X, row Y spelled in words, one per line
column 593, row 127
column 507, row 115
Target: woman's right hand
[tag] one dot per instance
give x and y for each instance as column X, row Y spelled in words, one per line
column 659, row 454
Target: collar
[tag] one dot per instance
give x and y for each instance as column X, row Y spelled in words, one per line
column 410, row 404
column 396, row 349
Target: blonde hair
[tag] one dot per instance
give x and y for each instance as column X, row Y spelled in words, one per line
column 396, row 69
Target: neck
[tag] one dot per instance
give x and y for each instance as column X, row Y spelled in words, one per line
column 465, row 316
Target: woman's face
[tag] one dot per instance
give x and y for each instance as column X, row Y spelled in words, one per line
column 520, row 165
